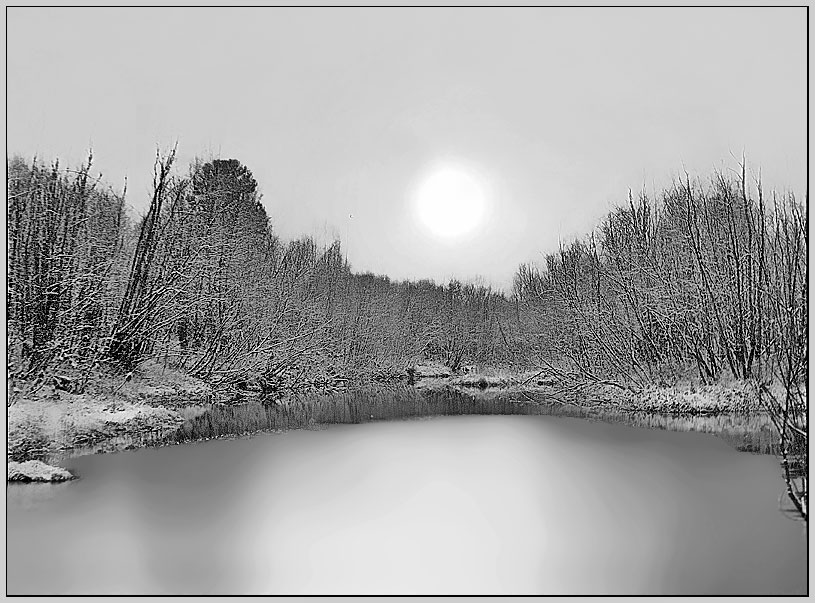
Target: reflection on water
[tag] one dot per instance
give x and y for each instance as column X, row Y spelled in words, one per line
column 751, row 433
column 466, row 505
column 746, row 432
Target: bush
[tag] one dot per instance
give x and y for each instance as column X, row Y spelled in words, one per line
column 27, row 441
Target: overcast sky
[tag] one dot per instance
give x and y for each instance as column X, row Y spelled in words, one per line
column 343, row 112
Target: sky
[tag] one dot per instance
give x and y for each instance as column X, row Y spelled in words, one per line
column 343, row 114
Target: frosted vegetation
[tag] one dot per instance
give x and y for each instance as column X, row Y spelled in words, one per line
column 686, row 295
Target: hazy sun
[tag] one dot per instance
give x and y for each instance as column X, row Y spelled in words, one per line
column 451, row 202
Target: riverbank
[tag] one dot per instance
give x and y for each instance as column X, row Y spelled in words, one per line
column 117, row 411
column 50, row 419
column 687, row 398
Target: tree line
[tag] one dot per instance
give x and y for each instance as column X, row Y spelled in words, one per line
column 202, row 282
column 708, row 277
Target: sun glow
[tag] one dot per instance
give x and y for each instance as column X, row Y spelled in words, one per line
column 451, row 202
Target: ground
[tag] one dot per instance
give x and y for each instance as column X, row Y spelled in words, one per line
column 118, row 410
column 44, row 421
column 36, row 471
column 686, row 398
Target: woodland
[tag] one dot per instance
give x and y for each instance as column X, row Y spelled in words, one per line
column 704, row 281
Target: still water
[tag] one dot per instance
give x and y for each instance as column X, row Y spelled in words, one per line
column 463, row 505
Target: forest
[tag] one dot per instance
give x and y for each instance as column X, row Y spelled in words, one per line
column 704, row 282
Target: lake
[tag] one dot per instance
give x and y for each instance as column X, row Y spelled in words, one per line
column 448, row 504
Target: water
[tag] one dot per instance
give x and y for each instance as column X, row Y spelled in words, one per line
column 455, row 504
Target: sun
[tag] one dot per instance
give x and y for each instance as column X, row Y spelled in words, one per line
column 451, row 202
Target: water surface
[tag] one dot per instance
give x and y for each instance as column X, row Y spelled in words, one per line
column 463, row 505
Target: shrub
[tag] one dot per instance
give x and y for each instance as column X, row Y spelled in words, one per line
column 27, row 441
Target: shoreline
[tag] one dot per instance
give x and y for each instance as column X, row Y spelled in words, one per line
column 156, row 401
